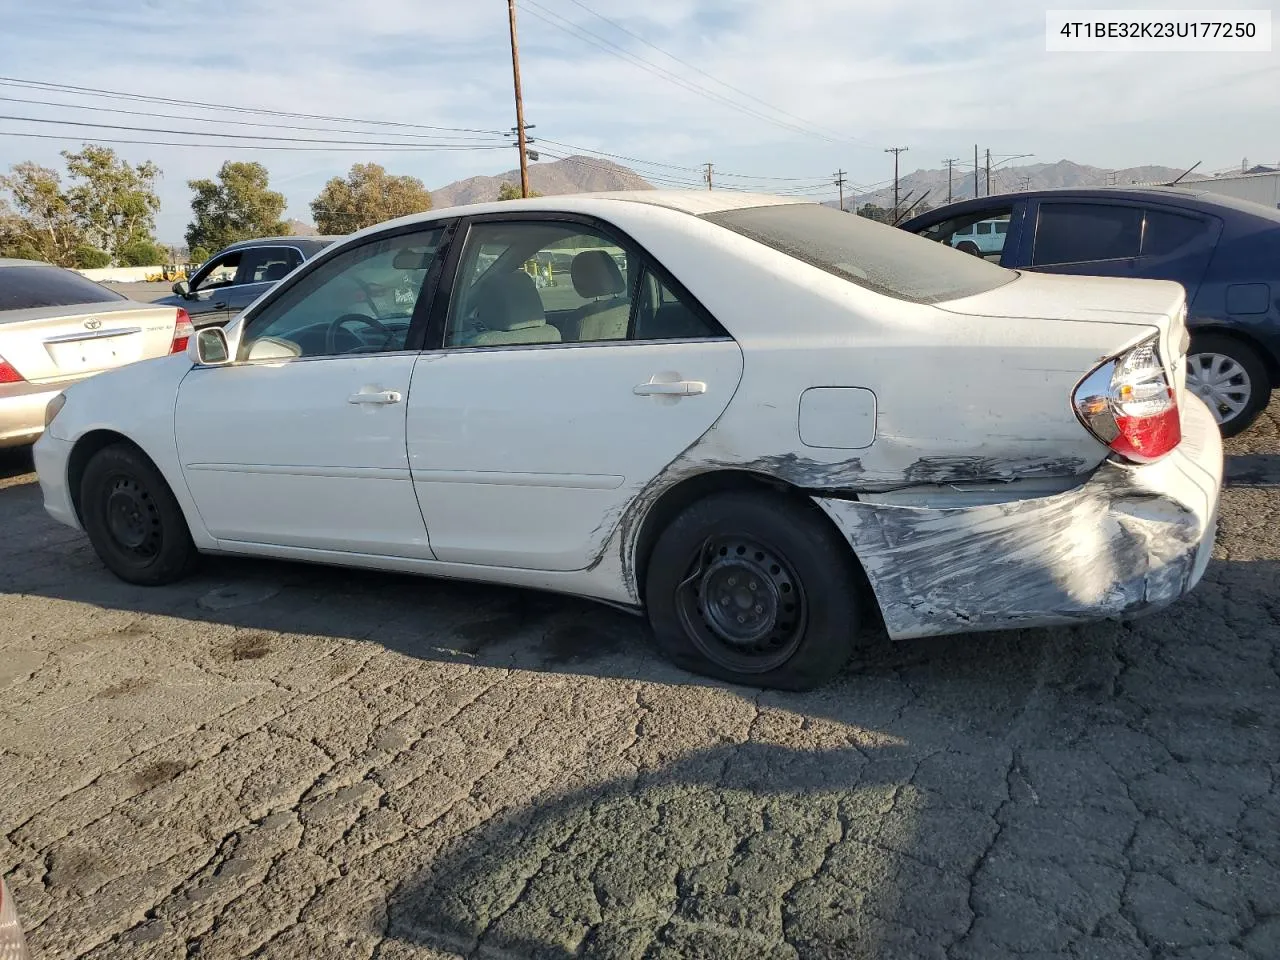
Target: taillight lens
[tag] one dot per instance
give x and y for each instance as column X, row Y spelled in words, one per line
column 182, row 331
column 1130, row 404
column 8, row 374
column 13, row 945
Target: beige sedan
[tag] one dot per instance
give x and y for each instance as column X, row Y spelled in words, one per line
column 57, row 327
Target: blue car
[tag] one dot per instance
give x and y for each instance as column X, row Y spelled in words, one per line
column 1225, row 253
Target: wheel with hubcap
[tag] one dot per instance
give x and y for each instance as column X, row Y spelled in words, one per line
column 132, row 518
column 754, row 588
column 1230, row 378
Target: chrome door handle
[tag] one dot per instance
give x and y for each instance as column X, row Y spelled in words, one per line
column 681, row 388
column 385, row 396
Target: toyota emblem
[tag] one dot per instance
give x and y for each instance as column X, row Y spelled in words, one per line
column 93, row 324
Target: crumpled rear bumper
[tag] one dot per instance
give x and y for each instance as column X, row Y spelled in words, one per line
column 1130, row 540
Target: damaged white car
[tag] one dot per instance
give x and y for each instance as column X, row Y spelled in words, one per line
column 762, row 422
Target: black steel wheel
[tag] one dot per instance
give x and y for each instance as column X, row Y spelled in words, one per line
column 132, row 518
column 755, row 588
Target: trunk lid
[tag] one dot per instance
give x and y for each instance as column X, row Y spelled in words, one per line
column 48, row 344
column 1159, row 304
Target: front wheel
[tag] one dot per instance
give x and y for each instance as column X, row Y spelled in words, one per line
column 1230, row 378
column 132, row 518
column 754, row 588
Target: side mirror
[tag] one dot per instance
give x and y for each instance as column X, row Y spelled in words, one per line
column 210, row 347
column 182, row 289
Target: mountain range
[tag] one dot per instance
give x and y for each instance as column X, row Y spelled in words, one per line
column 571, row 175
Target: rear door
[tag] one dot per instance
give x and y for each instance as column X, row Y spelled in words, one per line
column 57, row 325
column 527, row 439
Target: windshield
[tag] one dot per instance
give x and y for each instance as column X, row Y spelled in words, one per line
column 872, row 255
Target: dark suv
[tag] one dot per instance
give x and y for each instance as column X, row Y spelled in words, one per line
column 1224, row 252
column 235, row 277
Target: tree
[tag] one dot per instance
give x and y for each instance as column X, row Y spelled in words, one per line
column 367, row 196
column 43, row 225
column 142, row 253
column 239, row 206
column 509, row 191
column 88, row 257
column 113, row 203
column 872, row 212
column 199, row 255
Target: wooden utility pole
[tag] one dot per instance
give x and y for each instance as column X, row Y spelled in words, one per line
column 515, row 72
column 988, row 171
column 895, row 151
column 839, row 175
column 950, row 162
column 706, row 175
column 975, row 171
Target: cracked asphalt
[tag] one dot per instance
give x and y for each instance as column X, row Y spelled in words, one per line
column 283, row 761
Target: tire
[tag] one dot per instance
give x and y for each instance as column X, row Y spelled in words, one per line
column 132, row 519
column 1212, row 355
column 788, row 557
column 968, row 246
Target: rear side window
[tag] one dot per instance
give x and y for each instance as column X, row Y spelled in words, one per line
column 881, row 258
column 1168, row 233
column 22, row 288
column 1080, row 232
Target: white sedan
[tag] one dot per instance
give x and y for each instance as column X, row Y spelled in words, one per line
column 761, row 421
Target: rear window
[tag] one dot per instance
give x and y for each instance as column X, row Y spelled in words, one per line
column 22, row 288
column 872, row 255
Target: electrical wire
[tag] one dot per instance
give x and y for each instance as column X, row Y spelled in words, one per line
column 594, row 39
column 248, row 146
column 714, row 79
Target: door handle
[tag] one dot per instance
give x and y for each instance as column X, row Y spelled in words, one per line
column 384, row 396
column 681, row 388
column 220, row 304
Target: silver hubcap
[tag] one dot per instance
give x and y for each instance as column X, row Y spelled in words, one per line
column 1220, row 382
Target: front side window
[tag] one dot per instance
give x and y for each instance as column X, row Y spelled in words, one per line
column 222, row 272
column 981, row 233
column 884, row 259
column 360, row 301
column 1084, row 232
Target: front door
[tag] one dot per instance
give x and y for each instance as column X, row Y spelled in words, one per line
column 553, row 400
column 301, row 441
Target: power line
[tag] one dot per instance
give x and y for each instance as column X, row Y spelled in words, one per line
column 581, row 33
column 117, row 94
column 223, row 120
column 212, row 133
column 365, row 148
column 712, row 78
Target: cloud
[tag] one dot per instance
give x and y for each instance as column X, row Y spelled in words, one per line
column 934, row 75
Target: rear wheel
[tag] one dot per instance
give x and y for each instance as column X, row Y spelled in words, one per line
column 754, row 588
column 968, row 246
column 1230, row 378
column 132, row 518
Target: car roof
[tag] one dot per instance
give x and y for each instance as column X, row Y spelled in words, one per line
column 15, row 262
column 1190, row 197
column 280, row 241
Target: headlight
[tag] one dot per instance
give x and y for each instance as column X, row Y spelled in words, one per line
column 53, row 408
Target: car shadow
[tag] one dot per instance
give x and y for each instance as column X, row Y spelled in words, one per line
column 1252, row 469
column 863, row 834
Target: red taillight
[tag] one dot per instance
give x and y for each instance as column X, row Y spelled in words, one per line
column 8, row 374
column 182, row 331
column 1130, row 404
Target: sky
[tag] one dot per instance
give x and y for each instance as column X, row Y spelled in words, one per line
column 776, row 95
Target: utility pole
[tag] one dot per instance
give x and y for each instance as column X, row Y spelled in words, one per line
column 950, row 162
column 515, row 72
column 988, row 171
column 895, row 151
column 839, row 175
column 706, row 173
column 975, row 171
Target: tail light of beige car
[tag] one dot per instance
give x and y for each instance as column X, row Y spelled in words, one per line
column 182, row 331
column 8, row 374
column 13, row 945
column 1131, row 405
